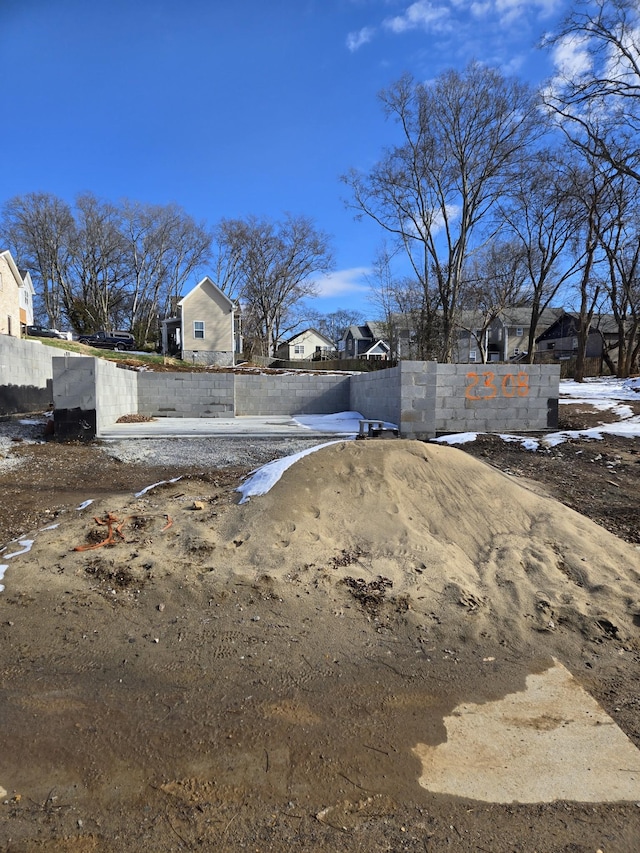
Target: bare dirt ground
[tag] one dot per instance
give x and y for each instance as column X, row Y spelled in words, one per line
column 150, row 704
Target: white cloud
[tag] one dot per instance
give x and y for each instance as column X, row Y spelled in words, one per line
column 571, row 57
column 343, row 281
column 355, row 40
column 480, row 9
column 420, row 15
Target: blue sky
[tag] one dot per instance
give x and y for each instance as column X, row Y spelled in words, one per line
column 235, row 108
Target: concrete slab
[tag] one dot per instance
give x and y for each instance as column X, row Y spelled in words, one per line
column 550, row 742
column 277, row 426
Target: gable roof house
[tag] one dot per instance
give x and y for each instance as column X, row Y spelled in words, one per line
column 559, row 341
column 11, row 284
column 506, row 338
column 307, row 345
column 366, row 341
column 203, row 330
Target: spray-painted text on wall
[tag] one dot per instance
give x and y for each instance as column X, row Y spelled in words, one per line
column 486, row 385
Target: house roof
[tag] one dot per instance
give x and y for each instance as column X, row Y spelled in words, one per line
column 604, row 323
column 521, row 316
column 369, row 331
column 304, row 332
column 209, row 282
column 25, row 275
column 12, row 266
column 379, row 345
column 358, row 333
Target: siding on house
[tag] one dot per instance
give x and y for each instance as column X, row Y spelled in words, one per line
column 207, row 304
column 304, row 345
column 10, row 284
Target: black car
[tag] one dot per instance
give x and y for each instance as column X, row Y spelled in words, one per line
column 109, row 340
column 41, row 332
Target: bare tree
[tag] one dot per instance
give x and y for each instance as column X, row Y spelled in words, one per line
column 277, row 266
column 97, row 262
column 334, row 324
column 462, row 137
column 228, row 255
column 619, row 238
column 590, row 188
column 541, row 213
column 496, row 279
column 595, row 94
column 39, row 228
column 171, row 248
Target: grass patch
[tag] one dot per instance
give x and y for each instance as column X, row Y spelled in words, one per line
column 150, row 360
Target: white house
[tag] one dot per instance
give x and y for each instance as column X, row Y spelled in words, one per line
column 306, row 345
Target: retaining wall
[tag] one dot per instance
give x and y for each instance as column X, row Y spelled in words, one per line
column 377, row 394
column 90, row 393
column 26, row 375
column 291, row 394
column 186, row 395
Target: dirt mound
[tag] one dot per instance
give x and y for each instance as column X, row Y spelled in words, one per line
column 437, row 526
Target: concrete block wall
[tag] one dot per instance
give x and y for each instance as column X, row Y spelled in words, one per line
column 423, row 398
column 90, row 393
column 418, row 412
column 208, row 357
column 26, row 375
column 186, row 395
column 496, row 397
column 291, row 394
column 117, row 392
column 75, row 399
column 377, row 394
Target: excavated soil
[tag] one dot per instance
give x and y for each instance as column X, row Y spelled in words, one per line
column 224, row 677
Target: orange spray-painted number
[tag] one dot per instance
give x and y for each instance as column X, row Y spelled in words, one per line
column 482, row 386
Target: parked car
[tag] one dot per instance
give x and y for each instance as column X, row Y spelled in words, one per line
column 109, row 340
column 41, row 332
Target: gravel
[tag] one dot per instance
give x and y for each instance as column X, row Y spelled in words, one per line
column 211, row 452
column 208, row 452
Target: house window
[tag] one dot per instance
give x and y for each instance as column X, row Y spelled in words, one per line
column 519, row 332
column 298, row 349
column 198, row 329
column 472, row 355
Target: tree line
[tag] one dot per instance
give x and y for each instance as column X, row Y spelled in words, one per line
column 98, row 264
column 494, row 195
column 498, row 195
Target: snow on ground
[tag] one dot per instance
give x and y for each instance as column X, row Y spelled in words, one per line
column 342, row 423
column 603, row 394
column 264, row 479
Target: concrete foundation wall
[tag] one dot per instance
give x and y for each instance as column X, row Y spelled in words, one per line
column 117, row 392
column 418, row 383
column 90, row 393
column 186, row 395
column 75, row 398
column 377, row 394
column 423, row 398
column 496, row 397
column 26, row 375
column 219, row 359
column 291, row 394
